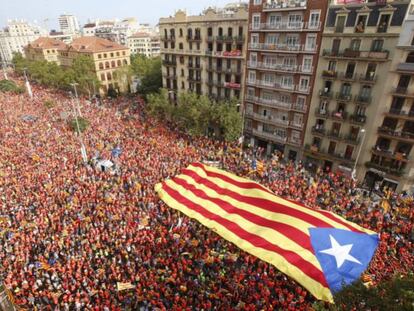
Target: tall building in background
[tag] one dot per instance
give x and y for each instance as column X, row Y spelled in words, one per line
column 357, row 78
column 68, row 24
column 15, row 36
column 144, row 43
column 205, row 53
column 284, row 42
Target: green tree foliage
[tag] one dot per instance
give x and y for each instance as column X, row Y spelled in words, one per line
column 148, row 71
column 8, row 86
column 53, row 75
column 49, row 103
column 82, row 122
column 197, row 114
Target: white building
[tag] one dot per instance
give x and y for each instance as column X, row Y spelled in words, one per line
column 144, row 43
column 15, row 36
column 68, row 24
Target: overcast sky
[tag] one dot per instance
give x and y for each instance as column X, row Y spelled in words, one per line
column 146, row 11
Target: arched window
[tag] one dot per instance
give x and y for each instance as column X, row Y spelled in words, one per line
column 119, row 63
column 106, row 65
column 165, row 33
column 181, row 32
column 125, row 62
column 410, row 58
column 113, row 64
column 101, row 66
column 102, row 77
column 108, row 76
column 189, row 33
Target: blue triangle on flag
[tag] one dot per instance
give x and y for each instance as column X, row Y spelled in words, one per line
column 343, row 255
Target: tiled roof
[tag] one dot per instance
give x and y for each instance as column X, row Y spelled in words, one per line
column 95, row 44
column 47, row 43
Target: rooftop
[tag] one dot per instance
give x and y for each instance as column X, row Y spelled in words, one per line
column 95, row 44
column 47, row 43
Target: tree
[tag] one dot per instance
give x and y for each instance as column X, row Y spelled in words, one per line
column 8, row 86
column 84, row 74
column 196, row 114
column 81, row 122
column 148, row 71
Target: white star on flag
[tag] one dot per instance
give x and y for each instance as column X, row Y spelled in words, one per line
column 340, row 252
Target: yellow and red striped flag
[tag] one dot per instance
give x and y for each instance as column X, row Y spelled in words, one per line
column 318, row 249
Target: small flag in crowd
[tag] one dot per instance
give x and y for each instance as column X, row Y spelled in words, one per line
column 124, row 286
column 318, row 249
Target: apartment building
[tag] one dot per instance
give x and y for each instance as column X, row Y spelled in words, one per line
column 108, row 57
column 44, row 49
column 284, row 41
column 390, row 160
column 68, row 24
column 15, row 36
column 144, row 43
column 352, row 85
column 205, row 53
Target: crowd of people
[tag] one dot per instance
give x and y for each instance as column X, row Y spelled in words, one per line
column 70, row 232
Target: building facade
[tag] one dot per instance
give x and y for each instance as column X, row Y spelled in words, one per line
column 352, row 84
column 390, row 160
column 144, row 43
column 44, row 49
column 15, row 36
column 68, row 24
column 284, row 41
column 205, row 53
column 108, row 57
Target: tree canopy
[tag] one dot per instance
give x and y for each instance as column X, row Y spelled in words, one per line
column 10, row 86
column 53, row 75
column 148, row 71
column 197, row 115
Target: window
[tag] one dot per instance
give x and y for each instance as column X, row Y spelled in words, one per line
column 287, row 82
column 340, row 23
column 113, row 64
column 311, row 42
column 107, row 65
column 257, row 2
column 256, row 22
column 361, row 23
column 307, row 64
column 101, row 66
column 410, row 58
column 304, row 84
column 252, row 76
column 119, row 63
column 181, row 32
column 99, row 56
column 102, row 77
column 377, row 45
column 274, row 21
column 332, row 65
column 253, row 59
column 112, row 54
column 254, row 39
column 271, row 39
column 314, row 19
column 355, row 44
column 383, row 23
column 292, row 41
column 295, row 21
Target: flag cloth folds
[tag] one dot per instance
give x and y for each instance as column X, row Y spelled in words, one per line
column 317, row 248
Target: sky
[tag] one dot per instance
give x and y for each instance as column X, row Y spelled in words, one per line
column 146, row 11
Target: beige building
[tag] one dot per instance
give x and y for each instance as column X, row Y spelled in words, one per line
column 144, row 43
column 44, row 49
column 205, row 53
column 353, row 84
column 108, row 57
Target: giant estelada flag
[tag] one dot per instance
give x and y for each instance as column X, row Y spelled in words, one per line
column 318, row 249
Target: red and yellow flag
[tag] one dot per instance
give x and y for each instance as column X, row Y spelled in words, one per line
column 257, row 221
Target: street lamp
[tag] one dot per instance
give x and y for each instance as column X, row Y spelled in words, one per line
column 28, row 87
column 359, row 153
column 74, row 84
column 83, row 148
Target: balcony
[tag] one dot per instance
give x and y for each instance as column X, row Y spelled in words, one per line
column 400, row 135
column 363, row 99
column 169, row 76
column 299, row 107
column 271, row 85
column 194, row 39
column 270, row 136
column 321, row 113
column 297, row 126
column 168, row 38
column 195, row 66
column 270, row 120
column 352, row 139
column 329, row 74
column 405, row 67
column 225, row 54
column 389, row 170
column 368, row 78
column 329, row 155
column 214, row 83
column 402, row 91
column 358, row 119
column 282, row 48
column 286, row 26
column 390, row 154
column 280, row 67
column 334, row 135
column 381, row 55
column 318, row 131
column 282, row 5
column 194, row 79
column 271, row 103
column 221, row 69
column 347, row 76
column 401, row 114
column 344, row 97
column 326, row 94
column 341, row 116
column 295, row 141
column 167, row 62
column 232, row 85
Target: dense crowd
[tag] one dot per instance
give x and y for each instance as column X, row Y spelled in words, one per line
column 70, row 231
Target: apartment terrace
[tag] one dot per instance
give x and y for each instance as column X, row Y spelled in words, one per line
column 283, row 47
column 380, row 56
column 282, row 5
column 286, row 26
column 280, row 67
